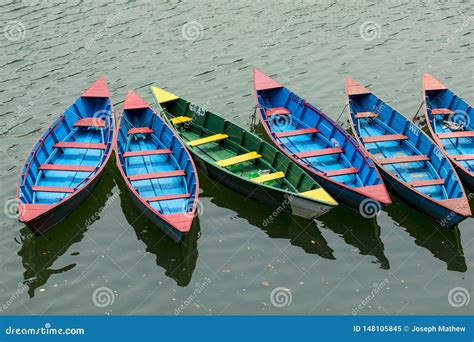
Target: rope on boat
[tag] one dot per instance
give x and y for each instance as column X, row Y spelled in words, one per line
column 415, row 118
column 343, row 110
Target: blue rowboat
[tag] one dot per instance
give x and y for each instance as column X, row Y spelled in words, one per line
column 321, row 147
column 157, row 168
column 451, row 123
column 410, row 162
column 65, row 163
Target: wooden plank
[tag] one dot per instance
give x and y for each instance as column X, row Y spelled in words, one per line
column 206, row 140
column 297, row 132
column 318, row 153
column 382, row 138
column 366, row 115
column 441, row 111
column 65, row 167
column 238, row 159
column 319, row 195
column 75, row 144
column 166, row 197
column 52, row 189
column 403, row 159
column 426, row 182
column 341, row 172
column 156, row 175
column 456, row 135
column 90, row 122
column 146, row 153
column 277, row 111
column 269, row 177
column 140, row 130
column 463, row 157
column 180, row 119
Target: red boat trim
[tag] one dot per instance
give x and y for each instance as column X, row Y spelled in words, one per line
column 52, row 189
column 441, row 111
column 90, row 122
column 365, row 115
column 263, row 82
column 155, row 175
column 296, row 132
column 277, row 111
column 382, row 138
column 133, row 101
column 354, row 88
column 97, row 89
column 427, row 182
column 65, row 167
column 166, row 197
column 146, row 153
column 463, row 157
column 403, row 159
column 73, row 144
column 431, row 83
column 341, row 172
column 456, row 135
column 140, row 130
column 318, row 153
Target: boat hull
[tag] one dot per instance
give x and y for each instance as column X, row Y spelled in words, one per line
column 439, row 213
column 43, row 223
column 164, row 226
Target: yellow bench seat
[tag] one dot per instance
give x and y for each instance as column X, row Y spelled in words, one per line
column 238, row 159
column 206, row 140
column 269, row 177
column 180, row 119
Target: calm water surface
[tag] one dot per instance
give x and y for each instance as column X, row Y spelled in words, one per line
column 206, row 52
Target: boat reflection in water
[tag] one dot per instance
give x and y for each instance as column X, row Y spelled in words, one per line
column 444, row 243
column 362, row 233
column 178, row 260
column 39, row 253
column 300, row 232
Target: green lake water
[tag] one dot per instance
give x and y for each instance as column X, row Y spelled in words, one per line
column 106, row 258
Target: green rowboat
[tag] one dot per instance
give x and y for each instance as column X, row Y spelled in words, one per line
column 241, row 160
